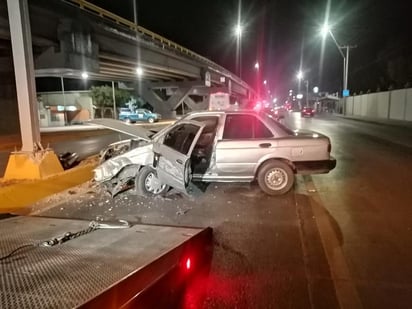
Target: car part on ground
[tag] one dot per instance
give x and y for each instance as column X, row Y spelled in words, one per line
column 69, row 160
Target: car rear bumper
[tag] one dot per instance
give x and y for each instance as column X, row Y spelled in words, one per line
column 315, row 167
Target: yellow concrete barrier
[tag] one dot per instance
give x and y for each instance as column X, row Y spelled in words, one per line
column 16, row 196
column 38, row 165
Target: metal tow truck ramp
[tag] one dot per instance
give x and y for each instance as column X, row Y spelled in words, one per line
column 100, row 268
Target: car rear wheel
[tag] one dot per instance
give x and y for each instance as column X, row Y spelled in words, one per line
column 150, row 120
column 147, row 183
column 275, row 178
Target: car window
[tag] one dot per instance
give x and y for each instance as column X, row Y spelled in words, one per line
column 260, row 130
column 209, row 121
column 180, row 138
column 244, row 127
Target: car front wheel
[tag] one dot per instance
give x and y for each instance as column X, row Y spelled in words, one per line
column 275, row 178
column 150, row 120
column 147, row 183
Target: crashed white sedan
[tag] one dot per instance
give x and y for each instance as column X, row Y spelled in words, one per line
column 212, row 146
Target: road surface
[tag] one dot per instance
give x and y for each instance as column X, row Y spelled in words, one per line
column 337, row 240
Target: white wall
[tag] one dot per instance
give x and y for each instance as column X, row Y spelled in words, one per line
column 349, row 105
column 372, row 108
column 408, row 108
column 383, row 104
column 357, row 105
column 364, row 105
column 397, row 104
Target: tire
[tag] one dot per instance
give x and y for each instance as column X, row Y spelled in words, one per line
column 150, row 120
column 144, row 183
column 127, row 120
column 275, row 178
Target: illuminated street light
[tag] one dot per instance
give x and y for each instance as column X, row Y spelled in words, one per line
column 315, row 89
column 238, row 30
column 265, row 82
column 299, row 75
column 139, row 71
column 85, row 75
column 257, row 65
column 299, row 96
column 324, row 32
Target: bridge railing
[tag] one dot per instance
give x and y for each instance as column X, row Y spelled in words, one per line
column 85, row 5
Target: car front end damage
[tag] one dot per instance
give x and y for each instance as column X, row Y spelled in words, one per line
column 117, row 174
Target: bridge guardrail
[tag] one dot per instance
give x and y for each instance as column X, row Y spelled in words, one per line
column 85, row 5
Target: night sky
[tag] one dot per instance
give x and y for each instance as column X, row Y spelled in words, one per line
column 281, row 34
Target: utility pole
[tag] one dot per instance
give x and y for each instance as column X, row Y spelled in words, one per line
column 307, row 92
column 346, row 64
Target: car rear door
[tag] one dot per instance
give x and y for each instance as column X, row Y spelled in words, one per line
column 172, row 154
column 245, row 140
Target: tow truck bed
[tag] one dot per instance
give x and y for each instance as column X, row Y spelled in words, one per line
column 106, row 268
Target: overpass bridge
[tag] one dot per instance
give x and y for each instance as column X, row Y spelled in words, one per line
column 74, row 36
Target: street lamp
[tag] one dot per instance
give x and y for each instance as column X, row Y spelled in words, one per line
column 139, row 71
column 327, row 30
column 238, row 32
column 300, row 77
column 257, row 66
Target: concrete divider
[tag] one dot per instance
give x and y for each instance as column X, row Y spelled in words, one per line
column 17, row 196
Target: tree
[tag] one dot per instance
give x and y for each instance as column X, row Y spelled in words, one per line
column 102, row 97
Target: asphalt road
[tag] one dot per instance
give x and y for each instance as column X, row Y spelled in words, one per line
column 337, row 240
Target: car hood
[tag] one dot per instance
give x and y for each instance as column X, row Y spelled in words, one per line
column 120, row 126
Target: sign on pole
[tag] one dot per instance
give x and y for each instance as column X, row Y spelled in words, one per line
column 345, row 93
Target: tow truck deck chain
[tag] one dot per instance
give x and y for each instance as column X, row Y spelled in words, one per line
column 93, row 225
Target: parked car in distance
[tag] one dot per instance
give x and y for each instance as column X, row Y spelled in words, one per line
column 213, row 146
column 307, row 112
column 138, row 115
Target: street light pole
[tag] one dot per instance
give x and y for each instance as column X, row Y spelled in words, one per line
column 307, row 92
column 238, row 33
column 326, row 30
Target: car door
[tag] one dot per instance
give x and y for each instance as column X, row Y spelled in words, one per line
column 172, row 154
column 141, row 115
column 245, row 140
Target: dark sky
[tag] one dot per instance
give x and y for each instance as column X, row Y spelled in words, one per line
column 279, row 33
